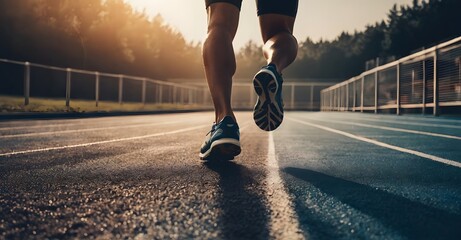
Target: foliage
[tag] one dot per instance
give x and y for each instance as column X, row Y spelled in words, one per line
column 102, row 35
column 109, row 36
column 407, row 29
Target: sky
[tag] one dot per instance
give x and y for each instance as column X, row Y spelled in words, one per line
column 316, row 19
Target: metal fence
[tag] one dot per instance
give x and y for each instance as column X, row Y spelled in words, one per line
column 426, row 81
column 37, row 80
column 48, row 81
column 298, row 94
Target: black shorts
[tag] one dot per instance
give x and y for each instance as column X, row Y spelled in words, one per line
column 283, row 7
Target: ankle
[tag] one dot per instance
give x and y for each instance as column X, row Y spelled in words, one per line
column 220, row 117
column 275, row 67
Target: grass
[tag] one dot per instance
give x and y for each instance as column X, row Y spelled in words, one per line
column 10, row 104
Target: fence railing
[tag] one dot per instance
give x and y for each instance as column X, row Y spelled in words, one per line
column 38, row 80
column 298, row 94
column 426, row 80
column 90, row 85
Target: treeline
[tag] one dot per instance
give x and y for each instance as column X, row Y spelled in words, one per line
column 109, row 36
column 406, row 29
column 106, row 36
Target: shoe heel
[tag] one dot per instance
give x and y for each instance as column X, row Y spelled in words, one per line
column 228, row 149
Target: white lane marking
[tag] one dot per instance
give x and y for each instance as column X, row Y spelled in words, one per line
column 77, row 122
column 391, row 129
column 40, row 126
column 60, row 125
column 403, row 122
column 63, row 123
column 86, row 130
column 420, row 118
column 381, row 144
column 102, row 142
column 283, row 221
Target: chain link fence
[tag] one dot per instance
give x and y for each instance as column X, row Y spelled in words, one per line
column 427, row 81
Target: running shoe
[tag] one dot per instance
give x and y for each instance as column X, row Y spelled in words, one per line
column 222, row 142
column 268, row 111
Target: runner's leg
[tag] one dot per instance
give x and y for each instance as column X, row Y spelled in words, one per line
column 218, row 55
column 276, row 19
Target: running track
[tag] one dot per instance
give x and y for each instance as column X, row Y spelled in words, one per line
column 320, row 176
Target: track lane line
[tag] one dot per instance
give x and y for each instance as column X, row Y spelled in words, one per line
column 390, row 128
column 284, row 223
column 101, row 142
column 78, row 122
column 246, row 125
column 86, row 129
column 59, row 123
column 381, row 144
column 420, row 118
column 407, row 123
column 40, row 126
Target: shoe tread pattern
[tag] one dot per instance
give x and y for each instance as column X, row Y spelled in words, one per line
column 268, row 111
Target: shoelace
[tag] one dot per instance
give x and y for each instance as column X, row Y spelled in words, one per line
column 212, row 129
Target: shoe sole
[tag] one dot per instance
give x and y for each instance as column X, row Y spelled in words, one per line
column 222, row 149
column 268, row 112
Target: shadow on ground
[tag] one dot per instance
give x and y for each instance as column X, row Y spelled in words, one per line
column 411, row 219
column 244, row 214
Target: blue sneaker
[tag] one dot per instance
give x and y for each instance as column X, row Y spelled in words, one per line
column 268, row 111
column 222, row 142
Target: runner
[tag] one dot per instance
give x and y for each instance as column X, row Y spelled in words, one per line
column 276, row 19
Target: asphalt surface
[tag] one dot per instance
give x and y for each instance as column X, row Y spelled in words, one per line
column 319, row 176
